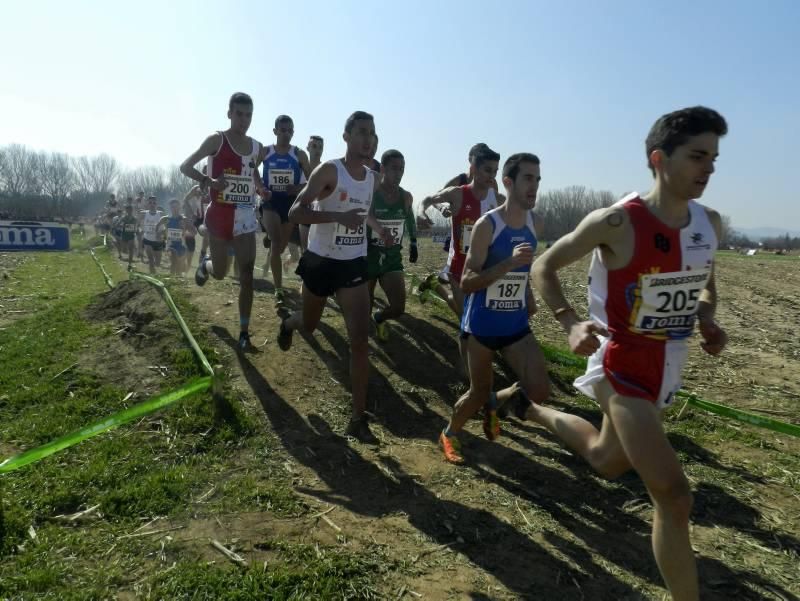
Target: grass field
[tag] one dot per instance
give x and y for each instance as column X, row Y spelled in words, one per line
column 266, row 473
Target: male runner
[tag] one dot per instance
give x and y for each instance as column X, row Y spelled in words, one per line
column 129, row 225
column 314, row 147
column 194, row 210
column 232, row 159
column 499, row 302
column 285, row 171
column 651, row 279
column 175, row 224
column 139, row 206
column 392, row 207
column 153, row 238
column 435, row 281
column 335, row 263
column 466, row 204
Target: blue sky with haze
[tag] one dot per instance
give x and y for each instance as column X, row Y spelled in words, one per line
column 578, row 83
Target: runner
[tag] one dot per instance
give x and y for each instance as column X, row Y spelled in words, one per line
column 285, row 170
column 116, row 230
column 335, row 263
column 392, row 207
column 153, row 238
column 233, row 180
column 194, row 210
column 129, row 225
column 499, row 303
column 139, row 206
column 435, row 282
column 466, row 203
column 315, row 147
column 175, row 224
column 651, row 279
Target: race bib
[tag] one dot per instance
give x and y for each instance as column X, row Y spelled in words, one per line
column 129, row 228
column 239, row 191
column 507, row 293
column 150, row 230
column 395, row 227
column 668, row 300
column 280, row 179
column 466, row 236
column 174, row 234
column 344, row 236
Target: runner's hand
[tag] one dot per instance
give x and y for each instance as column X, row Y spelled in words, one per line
column 388, row 239
column 583, row 337
column 351, row 219
column 413, row 253
column 523, row 255
column 446, row 211
column 714, row 337
column 218, row 184
column 424, row 222
column 264, row 193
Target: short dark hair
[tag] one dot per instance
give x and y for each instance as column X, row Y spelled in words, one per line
column 357, row 116
column 391, row 154
column 674, row 129
column 512, row 164
column 484, row 155
column 317, row 138
column 476, row 149
column 239, row 98
column 283, row 119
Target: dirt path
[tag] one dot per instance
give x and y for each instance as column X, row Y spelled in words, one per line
column 524, row 518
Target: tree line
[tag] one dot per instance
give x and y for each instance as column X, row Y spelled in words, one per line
column 46, row 185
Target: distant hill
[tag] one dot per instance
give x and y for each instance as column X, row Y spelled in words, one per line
column 756, row 233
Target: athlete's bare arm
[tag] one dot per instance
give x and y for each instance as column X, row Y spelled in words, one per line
column 208, row 148
column 603, row 228
column 714, row 337
column 450, row 196
column 475, row 277
column 321, row 183
column 305, row 164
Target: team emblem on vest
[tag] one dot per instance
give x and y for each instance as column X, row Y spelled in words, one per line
column 662, row 243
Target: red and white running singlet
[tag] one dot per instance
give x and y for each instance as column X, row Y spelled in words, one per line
column 461, row 232
column 649, row 306
column 232, row 211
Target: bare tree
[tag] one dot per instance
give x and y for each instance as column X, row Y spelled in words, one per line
column 726, row 231
column 96, row 174
column 563, row 209
column 56, row 176
column 18, row 173
column 177, row 184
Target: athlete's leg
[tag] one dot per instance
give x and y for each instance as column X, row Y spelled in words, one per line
column 527, row 361
column 371, row 287
column 272, row 222
column 304, row 236
column 355, row 309
column 307, row 319
column 638, row 426
column 151, row 261
column 217, row 266
column 480, row 385
column 244, row 247
column 394, row 285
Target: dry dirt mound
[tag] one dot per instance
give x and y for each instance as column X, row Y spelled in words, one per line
column 143, row 336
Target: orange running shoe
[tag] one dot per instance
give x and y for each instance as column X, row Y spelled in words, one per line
column 451, row 447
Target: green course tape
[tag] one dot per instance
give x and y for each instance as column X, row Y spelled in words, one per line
column 178, row 317
column 122, row 417
column 742, row 416
column 109, row 281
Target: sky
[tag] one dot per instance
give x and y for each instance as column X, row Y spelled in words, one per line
column 579, row 83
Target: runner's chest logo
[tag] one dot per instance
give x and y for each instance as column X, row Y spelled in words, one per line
column 662, row 243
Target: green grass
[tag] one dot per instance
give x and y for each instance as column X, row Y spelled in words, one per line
column 134, row 473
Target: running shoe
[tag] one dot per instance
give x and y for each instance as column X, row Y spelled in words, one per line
column 201, row 275
column 244, row 341
column 358, row 428
column 491, row 423
column 451, row 448
column 284, row 337
column 381, row 329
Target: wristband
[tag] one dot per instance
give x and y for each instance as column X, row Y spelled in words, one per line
column 560, row 311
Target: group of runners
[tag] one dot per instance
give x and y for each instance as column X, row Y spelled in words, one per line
column 651, row 282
